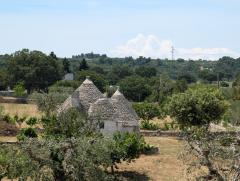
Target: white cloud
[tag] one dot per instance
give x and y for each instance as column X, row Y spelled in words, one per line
column 151, row 46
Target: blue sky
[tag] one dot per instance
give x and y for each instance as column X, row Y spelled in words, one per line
column 196, row 28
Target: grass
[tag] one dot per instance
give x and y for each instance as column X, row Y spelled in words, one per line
column 8, row 139
column 165, row 165
column 21, row 110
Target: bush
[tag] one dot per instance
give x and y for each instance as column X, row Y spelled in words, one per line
column 19, row 90
column 27, row 133
column 67, row 83
column 197, row 107
column 146, row 124
column 126, row 147
column 135, row 88
column 48, row 103
column 147, row 111
column 32, row 121
column 19, row 120
column 224, row 84
column 8, row 119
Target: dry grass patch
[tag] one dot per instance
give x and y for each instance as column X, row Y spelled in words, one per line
column 163, row 166
column 28, row 110
column 10, row 139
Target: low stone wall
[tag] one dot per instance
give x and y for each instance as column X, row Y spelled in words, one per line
column 160, row 133
column 6, row 93
column 14, row 100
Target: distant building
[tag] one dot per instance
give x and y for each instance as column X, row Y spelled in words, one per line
column 115, row 113
column 68, row 76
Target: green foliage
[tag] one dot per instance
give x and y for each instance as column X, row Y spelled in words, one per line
column 146, row 124
column 35, row 69
column 26, row 133
column 208, row 75
column 233, row 115
column 70, row 148
column 224, row 84
column 71, row 123
column 147, row 111
column 19, row 90
column 67, row 83
column 190, row 78
column 8, row 119
column 126, row 147
column 237, row 80
column 19, row 120
column 197, row 107
column 144, row 71
column 162, row 87
column 3, row 80
column 98, row 70
column 60, row 90
column 135, row 88
column 48, row 103
column 66, row 65
column 180, row 86
column 32, row 121
column 71, row 159
column 236, row 92
column 83, row 65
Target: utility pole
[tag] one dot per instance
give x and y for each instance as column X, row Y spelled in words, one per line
column 218, row 80
column 172, row 52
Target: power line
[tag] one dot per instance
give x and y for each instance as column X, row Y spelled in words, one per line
column 172, row 52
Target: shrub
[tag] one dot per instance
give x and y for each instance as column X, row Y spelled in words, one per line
column 32, row 121
column 19, row 90
column 135, row 88
column 8, row 119
column 146, row 124
column 147, row 111
column 126, row 147
column 27, row 133
column 67, row 83
column 19, row 120
column 48, row 103
column 224, row 84
column 197, row 107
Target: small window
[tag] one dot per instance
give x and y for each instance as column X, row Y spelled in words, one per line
column 101, row 125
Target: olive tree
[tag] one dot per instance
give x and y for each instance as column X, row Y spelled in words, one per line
column 195, row 110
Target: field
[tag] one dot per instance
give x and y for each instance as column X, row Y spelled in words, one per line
column 163, row 166
column 21, row 109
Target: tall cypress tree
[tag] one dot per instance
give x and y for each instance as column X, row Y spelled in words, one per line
column 83, row 65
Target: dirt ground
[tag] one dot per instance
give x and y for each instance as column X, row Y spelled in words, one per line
column 163, row 166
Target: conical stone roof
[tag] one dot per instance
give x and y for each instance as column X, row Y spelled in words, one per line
column 124, row 108
column 88, row 94
column 71, row 101
column 103, row 110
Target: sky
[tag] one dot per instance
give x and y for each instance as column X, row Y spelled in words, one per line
column 207, row 29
